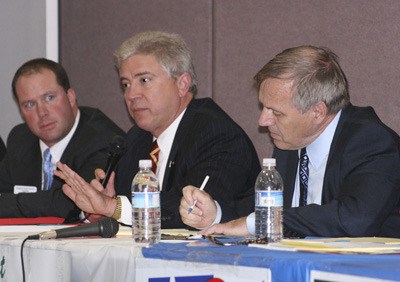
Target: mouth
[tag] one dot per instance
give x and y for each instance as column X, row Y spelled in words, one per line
column 273, row 135
column 137, row 110
column 47, row 125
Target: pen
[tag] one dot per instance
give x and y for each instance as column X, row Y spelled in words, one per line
column 201, row 189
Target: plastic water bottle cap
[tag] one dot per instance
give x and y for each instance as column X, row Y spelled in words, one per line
column 269, row 162
column 145, row 163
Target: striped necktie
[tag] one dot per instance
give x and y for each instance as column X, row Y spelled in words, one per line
column 48, row 168
column 154, row 152
column 303, row 173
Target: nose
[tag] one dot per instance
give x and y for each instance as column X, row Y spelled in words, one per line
column 132, row 93
column 42, row 109
column 266, row 117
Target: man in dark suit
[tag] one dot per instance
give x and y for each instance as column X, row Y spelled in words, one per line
column 353, row 158
column 207, row 142
column 79, row 137
column 196, row 138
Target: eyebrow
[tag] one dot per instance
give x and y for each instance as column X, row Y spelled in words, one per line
column 137, row 75
column 143, row 73
column 50, row 92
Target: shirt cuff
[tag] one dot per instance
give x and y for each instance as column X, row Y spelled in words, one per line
column 82, row 216
column 251, row 223
column 126, row 211
column 219, row 214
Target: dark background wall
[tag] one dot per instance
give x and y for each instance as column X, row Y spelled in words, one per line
column 231, row 40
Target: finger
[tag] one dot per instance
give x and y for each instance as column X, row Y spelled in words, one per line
column 66, row 177
column 196, row 211
column 69, row 192
column 188, row 197
column 188, row 190
column 65, row 172
column 110, row 188
column 75, row 180
column 188, row 221
column 208, row 231
column 111, row 180
column 183, row 214
column 184, row 204
column 96, row 185
column 60, row 173
column 99, row 174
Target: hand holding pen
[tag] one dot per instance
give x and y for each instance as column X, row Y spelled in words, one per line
column 201, row 189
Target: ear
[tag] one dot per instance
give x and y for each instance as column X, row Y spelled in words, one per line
column 183, row 82
column 319, row 111
column 71, row 97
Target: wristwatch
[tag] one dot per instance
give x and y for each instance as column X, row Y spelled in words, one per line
column 117, row 213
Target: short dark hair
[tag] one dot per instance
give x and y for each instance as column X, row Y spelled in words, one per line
column 35, row 65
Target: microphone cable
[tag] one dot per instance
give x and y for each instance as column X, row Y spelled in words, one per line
column 22, row 257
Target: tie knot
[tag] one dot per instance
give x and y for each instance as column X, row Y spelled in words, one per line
column 48, row 168
column 154, row 147
column 47, row 155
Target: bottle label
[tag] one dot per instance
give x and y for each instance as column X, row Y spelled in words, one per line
column 269, row 199
column 146, row 200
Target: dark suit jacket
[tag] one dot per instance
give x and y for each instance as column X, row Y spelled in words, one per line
column 22, row 165
column 2, row 149
column 361, row 188
column 207, row 142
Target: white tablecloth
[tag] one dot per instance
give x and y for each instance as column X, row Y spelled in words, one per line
column 75, row 259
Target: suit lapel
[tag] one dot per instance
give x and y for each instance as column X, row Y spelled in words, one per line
column 79, row 138
column 179, row 141
column 291, row 176
column 336, row 141
column 335, row 153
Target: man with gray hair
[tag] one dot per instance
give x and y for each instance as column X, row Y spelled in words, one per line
column 195, row 137
column 352, row 158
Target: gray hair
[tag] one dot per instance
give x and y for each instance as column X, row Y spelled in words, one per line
column 316, row 77
column 169, row 49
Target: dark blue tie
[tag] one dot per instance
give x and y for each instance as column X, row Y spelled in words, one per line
column 303, row 173
column 48, row 168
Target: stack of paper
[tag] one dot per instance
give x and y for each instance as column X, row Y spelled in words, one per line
column 366, row 245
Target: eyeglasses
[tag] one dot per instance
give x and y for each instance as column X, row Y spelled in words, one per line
column 234, row 241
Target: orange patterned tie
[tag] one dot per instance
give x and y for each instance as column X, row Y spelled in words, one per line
column 155, row 150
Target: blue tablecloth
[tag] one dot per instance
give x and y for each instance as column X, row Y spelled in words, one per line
column 284, row 265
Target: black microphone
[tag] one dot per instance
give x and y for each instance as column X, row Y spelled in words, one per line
column 105, row 227
column 116, row 150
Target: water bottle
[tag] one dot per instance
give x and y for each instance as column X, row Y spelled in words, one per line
column 269, row 202
column 146, row 213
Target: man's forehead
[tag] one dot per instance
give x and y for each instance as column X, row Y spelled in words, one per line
column 276, row 88
column 139, row 65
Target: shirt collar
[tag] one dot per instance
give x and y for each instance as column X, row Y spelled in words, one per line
column 318, row 150
column 58, row 149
